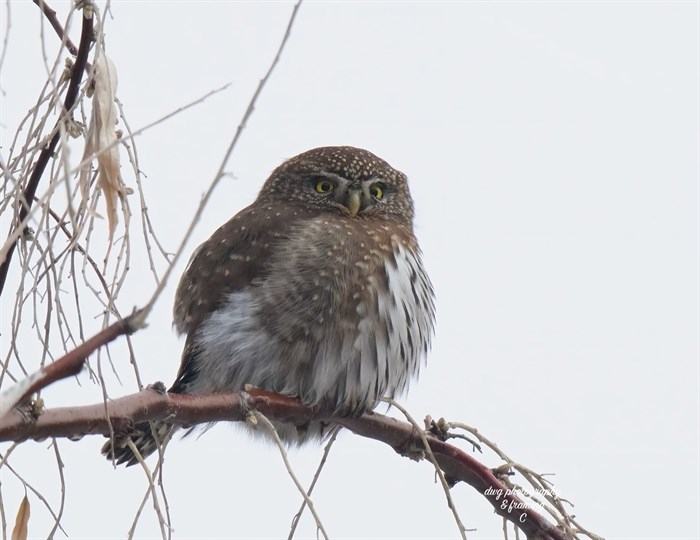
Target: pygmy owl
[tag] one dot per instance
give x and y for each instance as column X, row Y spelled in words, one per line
column 316, row 290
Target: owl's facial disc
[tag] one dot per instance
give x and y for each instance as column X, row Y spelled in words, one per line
column 352, row 197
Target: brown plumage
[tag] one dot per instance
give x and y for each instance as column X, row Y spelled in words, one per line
column 316, row 290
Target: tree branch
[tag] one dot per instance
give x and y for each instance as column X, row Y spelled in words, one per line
column 50, row 15
column 70, row 364
column 42, row 161
column 152, row 404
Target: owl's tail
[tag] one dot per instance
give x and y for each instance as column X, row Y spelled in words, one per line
column 147, row 437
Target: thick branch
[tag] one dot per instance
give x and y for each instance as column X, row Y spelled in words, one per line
column 70, row 364
column 150, row 404
column 47, row 152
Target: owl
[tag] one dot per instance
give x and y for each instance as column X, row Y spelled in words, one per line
column 317, row 290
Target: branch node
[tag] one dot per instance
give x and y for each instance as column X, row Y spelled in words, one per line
column 441, row 430
column 37, row 408
column 74, row 128
column 251, row 419
column 502, row 472
column 67, row 72
column 137, row 320
column 87, row 7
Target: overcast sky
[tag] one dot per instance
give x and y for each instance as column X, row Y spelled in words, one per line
column 552, row 152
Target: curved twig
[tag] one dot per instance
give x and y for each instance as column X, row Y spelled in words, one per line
column 86, row 38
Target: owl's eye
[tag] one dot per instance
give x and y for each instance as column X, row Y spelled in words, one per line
column 324, row 186
column 377, row 191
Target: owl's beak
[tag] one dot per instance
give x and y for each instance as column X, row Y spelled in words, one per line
column 354, row 200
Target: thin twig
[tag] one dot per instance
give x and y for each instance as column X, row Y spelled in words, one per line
column 50, row 14
column 221, row 172
column 139, row 511
column 429, row 453
column 60, row 466
column 326, row 451
column 151, row 487
column 536, row 480
column 262, row 419
column 159, row 469
column 46, row 154
column 17, row 232
column 36, row 493
column 5, row 42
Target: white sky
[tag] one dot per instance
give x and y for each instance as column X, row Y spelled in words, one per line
column 552, row 150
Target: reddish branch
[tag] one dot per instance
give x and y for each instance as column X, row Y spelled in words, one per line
column 458, row 465
column 151, row 404
column 72, row 363
column 45, row 155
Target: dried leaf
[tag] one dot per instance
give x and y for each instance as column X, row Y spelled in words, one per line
column 21, row 522
column 102, row 140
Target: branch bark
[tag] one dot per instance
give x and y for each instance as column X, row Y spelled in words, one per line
column 151, row 404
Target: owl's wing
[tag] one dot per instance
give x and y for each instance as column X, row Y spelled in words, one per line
column 232, row 259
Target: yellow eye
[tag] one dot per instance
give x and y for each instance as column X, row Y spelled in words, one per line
column 324, row 186
column 376, row 191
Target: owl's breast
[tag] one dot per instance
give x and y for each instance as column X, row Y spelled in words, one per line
column 336, row 277
column 339, row 316
column 317, row 278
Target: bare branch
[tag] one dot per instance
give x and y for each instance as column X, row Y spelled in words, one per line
column 317, row 474
column 86, row 38
column 458, row 466
column 50, row 14
column 221, row 172
column 151, row 404
column 151, row 488
column 70, row 364
column 262, row 419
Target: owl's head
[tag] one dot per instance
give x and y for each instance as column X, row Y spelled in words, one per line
column 341, row 179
